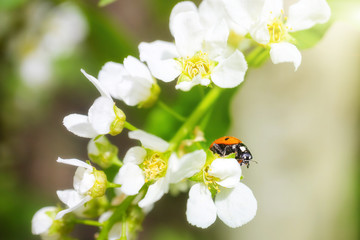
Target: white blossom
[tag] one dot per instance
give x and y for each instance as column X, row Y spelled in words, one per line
column 150, row 164
column 41, row 222
column 270, row 26
column 103, row 116
column 199, row 55
column 234, row 203
column 88, row 184
column 130, row 82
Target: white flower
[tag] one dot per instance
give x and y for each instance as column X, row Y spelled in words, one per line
column 199, row 55
column 272, row 28
column 151, row 164
column 88, row 184
column 42, row 221
column 103, row 116
column 234, row 202
column 130, row 82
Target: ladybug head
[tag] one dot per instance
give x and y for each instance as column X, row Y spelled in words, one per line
column 243, row 153
column 246, row 156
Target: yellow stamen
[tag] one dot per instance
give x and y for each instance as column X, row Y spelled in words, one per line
column 197, row 64
column 154, row 167
column 277, row 29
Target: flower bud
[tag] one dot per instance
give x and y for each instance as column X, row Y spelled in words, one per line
column 102, row 152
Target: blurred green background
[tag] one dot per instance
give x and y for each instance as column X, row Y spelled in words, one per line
column 302, row 127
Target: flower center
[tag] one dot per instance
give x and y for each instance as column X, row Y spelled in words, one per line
column 210, row 181
column 154, row 167
column 197, row 64
column 277, row 29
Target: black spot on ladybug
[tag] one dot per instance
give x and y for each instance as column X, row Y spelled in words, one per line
column 226, row 139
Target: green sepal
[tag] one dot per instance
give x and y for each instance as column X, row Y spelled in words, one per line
column 117, row 125
column 62, row 226
column 99, row 187
column 107, row 153
column 96, row 207
column 155, row 91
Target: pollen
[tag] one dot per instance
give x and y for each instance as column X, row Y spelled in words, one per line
column 210, row 181
column 197, row 64
column 277, row 29
column 154, row 167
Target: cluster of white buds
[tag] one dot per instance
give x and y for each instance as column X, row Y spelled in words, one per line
column 206, row 51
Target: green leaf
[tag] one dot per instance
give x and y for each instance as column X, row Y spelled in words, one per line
column 104, row 3
column 310, row 37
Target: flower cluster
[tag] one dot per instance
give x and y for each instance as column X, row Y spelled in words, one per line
column 208, row 47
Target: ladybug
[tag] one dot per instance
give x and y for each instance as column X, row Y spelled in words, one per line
column 228, row 145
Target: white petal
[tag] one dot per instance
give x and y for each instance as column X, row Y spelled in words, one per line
column 135, row 155
column 135, row 90
column 212, row 12
column 260, row 32
column 285, row 52
column 101, row 115
column 181, row 7
column 75, row 162
column 230, row 72
column 72, row 199
column 155, row 192
column 159, row 56
column 165, row 70
column 99, row 86
column 157, row 50
column 244, row 12
column 186, row 166
column 216, row 39
column 137, row 69
column 188, row 85
column 84, row 180
column 236, row 206
column 200, row 208
column 227, row 170
column 131, row 178
column 69, row 197
column 41, row 221
column 306, row 13
column 272, row 8
column 149, row 141
column 188, row 33
column 79, row 125
column 110, row 76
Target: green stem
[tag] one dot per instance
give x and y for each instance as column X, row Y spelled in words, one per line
column 194, row 118
column 123, row 228
column 87, row 222
column 115, row 217
column 171, row 111
column 129, row 126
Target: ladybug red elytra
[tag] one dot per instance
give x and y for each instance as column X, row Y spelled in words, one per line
column 228, row 145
